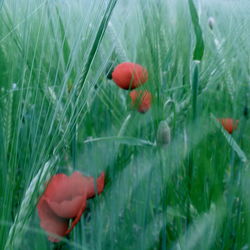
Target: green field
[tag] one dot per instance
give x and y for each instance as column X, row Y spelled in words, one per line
column 59, row 113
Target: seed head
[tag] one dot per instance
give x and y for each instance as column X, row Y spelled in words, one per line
column 211, row 22
column 163, row 134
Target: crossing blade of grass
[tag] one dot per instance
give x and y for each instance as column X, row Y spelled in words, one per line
column 30, row 229
column 76, row 111
column 66, row 47
column 202, row 233
column 98, row 38
column 56, row 52
column 28, row 204
column 122, row 140
column 71, row 121
column 195, row 84
column 244, row 188
column 195, row 90
column 118, row 46
column 232, row 143
column 129, row 182
column 197, row 57
column 3, row 172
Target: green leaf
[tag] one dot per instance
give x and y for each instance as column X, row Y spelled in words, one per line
column 199, row 47
column 98, row 38
column 122, row 140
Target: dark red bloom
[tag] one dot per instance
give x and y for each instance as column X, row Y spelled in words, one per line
column 65, row 198
column 129, row 75
column 141, row 100
column 229, row 124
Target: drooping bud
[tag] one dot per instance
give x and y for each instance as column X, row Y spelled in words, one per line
column 229, row 124
column 163, row 134
column 141, row 100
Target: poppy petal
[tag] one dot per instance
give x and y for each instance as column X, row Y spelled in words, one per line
column 50, row 222
column 229, row 124
column 141, row 100
column 64, row 198
column 56, row 188
column 92, row 186
column 100, row 182
column 78, row 217
column 67, row 208
column 129, row 75
column 63, row 187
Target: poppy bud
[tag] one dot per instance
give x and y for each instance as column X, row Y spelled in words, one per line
column 229, row 124
column 129, row 75
column 141, row 100
column 163, row 134
column 211, row 22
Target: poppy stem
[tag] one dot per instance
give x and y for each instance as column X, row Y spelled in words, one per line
column 189, row 184
column 195, row 84
column 74, row 134
column 57, row 246
column 74, row 146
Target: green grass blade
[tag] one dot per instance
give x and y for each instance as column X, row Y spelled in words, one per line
column 199, row 46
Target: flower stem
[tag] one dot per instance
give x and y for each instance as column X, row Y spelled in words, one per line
column 74, row 131
column 195, row 84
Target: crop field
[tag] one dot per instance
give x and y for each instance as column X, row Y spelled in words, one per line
column 124, row 124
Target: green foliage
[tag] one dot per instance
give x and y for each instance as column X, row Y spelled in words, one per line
column 199, row 47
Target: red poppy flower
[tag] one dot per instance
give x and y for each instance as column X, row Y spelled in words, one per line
column 129, row 75
column 229, row 124
column 141, row 100
column 65, row 198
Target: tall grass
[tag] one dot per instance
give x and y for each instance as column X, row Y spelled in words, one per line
column 59, row 113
